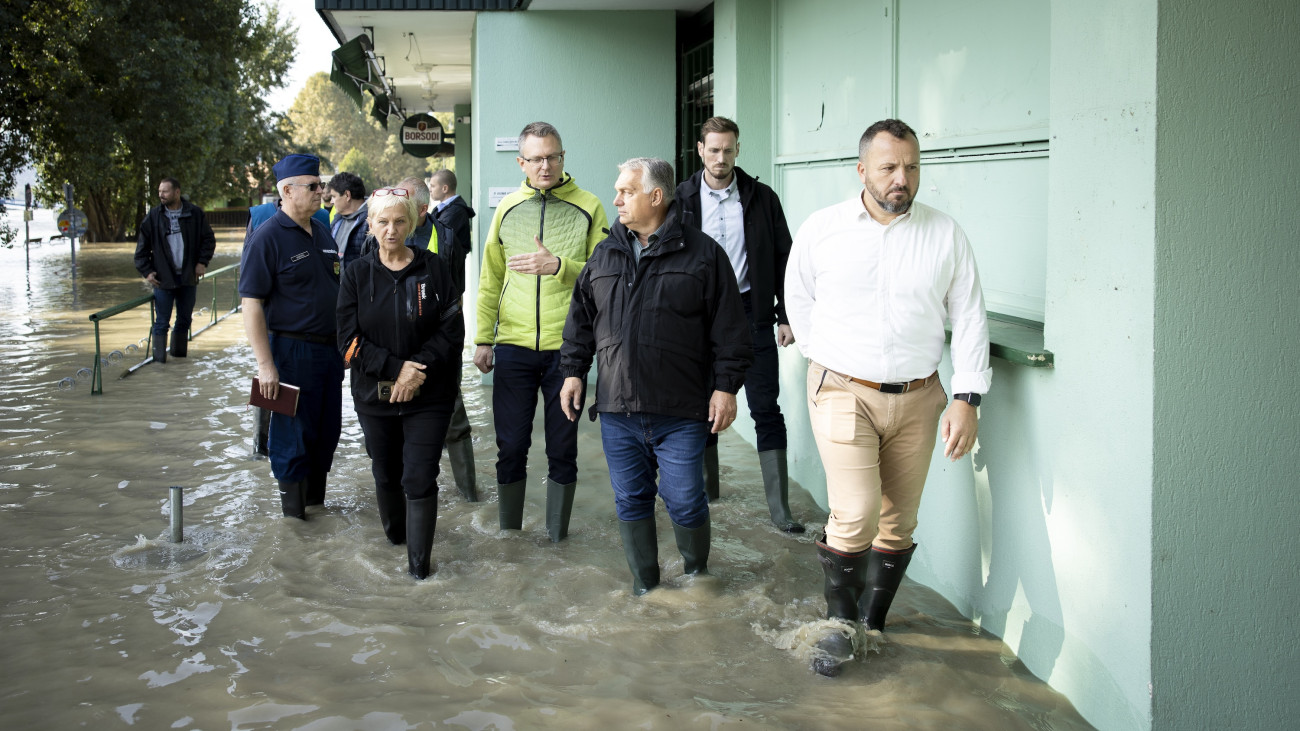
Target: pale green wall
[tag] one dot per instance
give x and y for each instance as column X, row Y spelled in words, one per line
column 742, row 78
column 1227, row 340
column 465, row 155
column 606, row 80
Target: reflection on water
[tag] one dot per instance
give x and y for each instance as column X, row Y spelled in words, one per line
column 256, row 622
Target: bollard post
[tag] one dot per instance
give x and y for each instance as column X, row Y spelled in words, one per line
column 178, row 500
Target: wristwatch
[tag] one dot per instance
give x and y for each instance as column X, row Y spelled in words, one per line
column 971, row 398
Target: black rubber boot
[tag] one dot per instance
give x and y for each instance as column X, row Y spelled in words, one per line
column 180, row 344
column 559, row 506
column 293, row 499
column 160, row 348
column 845, row 582
column 316, row 488
column 885, row 571
column 711, row 488
column 392, row 514
column 776, row 485
column 421, row 519
column 693, row 544
column 641, row 546
column 510, row 504
column 461, row 456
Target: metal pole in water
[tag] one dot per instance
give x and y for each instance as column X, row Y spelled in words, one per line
column 178, row 501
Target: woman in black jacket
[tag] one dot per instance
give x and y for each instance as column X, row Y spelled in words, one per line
column 401, row 333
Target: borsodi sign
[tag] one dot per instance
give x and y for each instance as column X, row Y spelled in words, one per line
column 422, row 136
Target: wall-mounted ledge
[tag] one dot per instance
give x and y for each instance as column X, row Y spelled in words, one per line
column 1018, row 341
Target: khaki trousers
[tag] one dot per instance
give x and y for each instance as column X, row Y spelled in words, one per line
column 876, row 450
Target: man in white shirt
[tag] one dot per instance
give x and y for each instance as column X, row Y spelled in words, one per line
column 869, row 285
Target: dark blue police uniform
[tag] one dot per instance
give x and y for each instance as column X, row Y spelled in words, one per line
column 297, row 278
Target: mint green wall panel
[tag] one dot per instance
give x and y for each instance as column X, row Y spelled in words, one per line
column 1002, row 205
column 610, row 92
column 833, row 74
column 973, row 73
column 1227, row 344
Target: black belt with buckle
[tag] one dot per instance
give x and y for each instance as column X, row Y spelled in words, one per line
column 894, row 387
column 309, row 337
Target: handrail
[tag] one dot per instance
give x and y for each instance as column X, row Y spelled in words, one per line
column 234, row 290
column 97, row 373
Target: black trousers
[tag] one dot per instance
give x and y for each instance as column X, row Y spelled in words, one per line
column 762, row 387
column 405, row 449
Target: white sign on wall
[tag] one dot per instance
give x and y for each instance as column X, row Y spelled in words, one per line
column 506, row 144
column 496, row 195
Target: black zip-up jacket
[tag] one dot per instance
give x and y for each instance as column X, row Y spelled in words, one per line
column 767, row 241
column 456, row 215
column 386, row 318
column 152, row 254
column 667, row 333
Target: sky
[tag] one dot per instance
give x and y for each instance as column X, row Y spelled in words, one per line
column 315, row 43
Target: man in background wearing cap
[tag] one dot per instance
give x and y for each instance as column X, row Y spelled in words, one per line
column 289, row 285
column 258, row 215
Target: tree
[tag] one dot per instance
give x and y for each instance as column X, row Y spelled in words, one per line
column 113, row 95
column 325, row 122
column 358, row 164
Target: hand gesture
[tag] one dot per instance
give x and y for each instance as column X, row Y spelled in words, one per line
column 541, row 261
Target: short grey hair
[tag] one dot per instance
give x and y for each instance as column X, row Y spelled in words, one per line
column 539, row 129
column 655, row 173
column 419, row 191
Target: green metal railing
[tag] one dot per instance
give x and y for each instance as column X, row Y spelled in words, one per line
column 214, row 276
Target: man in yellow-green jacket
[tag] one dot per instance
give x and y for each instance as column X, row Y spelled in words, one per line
column 539, row 241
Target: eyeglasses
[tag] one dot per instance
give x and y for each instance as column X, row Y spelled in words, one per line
column 399, row 192
column 552, row 160
column 313, row 187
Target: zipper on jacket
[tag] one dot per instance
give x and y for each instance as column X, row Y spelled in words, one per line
column 541, row 227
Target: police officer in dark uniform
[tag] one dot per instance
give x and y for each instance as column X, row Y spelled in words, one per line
column 289, row 286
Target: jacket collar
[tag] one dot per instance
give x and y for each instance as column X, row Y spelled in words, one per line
column 671, row 231
column 744, row 185
column 566, row 185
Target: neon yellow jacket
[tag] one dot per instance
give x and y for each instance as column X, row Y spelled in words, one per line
column 528, row 310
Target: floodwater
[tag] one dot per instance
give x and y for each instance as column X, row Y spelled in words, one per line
column 258, row 622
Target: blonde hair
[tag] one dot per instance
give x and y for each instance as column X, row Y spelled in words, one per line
column 378, row 204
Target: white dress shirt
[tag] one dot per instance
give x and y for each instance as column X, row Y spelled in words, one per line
column 870, row 300
column 723, row 220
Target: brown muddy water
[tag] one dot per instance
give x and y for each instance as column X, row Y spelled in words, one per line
column 257, row 622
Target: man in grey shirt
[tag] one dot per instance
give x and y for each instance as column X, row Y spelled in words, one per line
column 173, row 248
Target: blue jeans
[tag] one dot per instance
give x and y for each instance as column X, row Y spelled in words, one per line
column 635, row 444
column 518, row 374
column 763, row 386
column 163, row 299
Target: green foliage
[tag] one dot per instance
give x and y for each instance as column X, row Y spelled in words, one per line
column 325, row 122
column 114, row 95
column 358, row 164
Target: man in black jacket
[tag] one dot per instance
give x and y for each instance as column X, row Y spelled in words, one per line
column 744, row 216
column 453, row 211
column 658, row 301
column 172, row 252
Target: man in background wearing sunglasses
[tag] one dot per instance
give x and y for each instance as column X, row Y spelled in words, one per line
column 540, row 238
column 289, row 286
